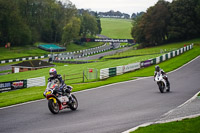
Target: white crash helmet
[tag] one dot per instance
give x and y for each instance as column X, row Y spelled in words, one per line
column 52, row 72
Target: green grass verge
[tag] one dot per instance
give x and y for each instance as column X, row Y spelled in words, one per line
column 34, row 93
column 17, row 52
column 116, row 28
column 184, row 126
column 6, row 71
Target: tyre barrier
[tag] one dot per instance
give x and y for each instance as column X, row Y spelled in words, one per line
column 105, row 73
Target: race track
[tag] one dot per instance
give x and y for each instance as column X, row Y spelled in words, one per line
column 109, row 109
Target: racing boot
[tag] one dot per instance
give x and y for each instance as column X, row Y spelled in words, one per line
column 168, row 85
column 70, row 98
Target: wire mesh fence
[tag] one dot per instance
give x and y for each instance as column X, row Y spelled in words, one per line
column 87, row 75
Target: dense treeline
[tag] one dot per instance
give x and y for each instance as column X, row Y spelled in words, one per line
column 166, row 22
column 25, row 22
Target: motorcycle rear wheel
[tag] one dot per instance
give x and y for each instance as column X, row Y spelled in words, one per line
column 53, row 107
column 74, row 105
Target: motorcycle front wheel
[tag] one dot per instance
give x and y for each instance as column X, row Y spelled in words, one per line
column 74, row 105
column 53, row 107
column 161, row 87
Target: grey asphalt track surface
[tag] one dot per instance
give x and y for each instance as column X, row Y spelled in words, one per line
column 109, row 109
column 6, row 67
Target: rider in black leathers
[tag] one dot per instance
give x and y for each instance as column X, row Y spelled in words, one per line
column 62, row 87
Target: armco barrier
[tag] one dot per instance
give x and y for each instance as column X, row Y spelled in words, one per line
column 24, row 59
column 105, row 73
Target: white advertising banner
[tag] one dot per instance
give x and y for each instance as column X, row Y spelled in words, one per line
column 131, row 67
column 40, row 81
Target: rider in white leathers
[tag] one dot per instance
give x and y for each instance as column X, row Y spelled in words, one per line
column 159, row 70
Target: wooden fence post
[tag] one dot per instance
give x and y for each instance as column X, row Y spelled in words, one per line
column 83, row 76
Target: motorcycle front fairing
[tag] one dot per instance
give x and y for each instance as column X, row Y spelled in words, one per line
column 159, row 77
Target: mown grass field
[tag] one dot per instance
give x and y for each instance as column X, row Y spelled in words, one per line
column 116, row 28
column 17, row 52
column 184, row 126
column 35, row 93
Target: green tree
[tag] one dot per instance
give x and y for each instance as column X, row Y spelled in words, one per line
column 46, row 18
column 197, row 16
column 88, row 25
column 71, row 31
column 183, row 23
column 98, row 23
column 157, row 21
column 12, row 27
column 151, row 28
column 137, row 31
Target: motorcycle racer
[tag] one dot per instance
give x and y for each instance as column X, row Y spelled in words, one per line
column 159, row 70
column 57, row 79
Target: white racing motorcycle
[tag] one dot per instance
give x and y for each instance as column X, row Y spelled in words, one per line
column 162, row 85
